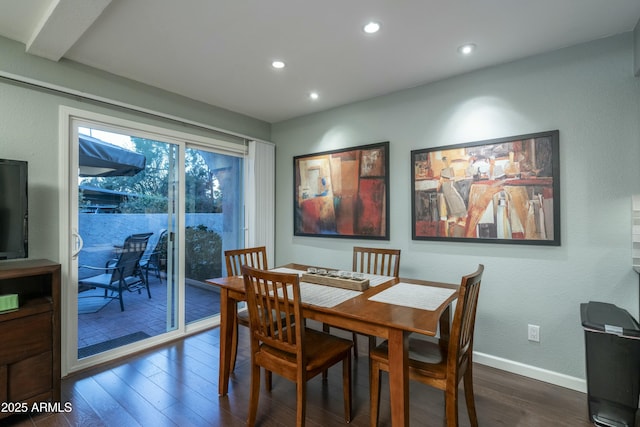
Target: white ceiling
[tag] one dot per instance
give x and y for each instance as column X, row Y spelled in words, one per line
column 220, row 52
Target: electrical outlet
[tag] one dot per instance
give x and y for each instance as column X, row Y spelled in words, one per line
column 534, row 333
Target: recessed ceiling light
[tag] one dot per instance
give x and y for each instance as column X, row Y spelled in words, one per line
column 278, row 64
column 467, row 49
column 371, row 27
column 314, row 95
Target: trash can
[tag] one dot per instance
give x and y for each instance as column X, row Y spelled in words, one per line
column 612, row 343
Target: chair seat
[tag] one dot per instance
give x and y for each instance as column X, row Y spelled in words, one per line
column 321, row 349
column 104, row 281
column 428, row 356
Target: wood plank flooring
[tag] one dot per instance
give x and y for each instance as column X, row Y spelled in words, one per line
column 176, row 385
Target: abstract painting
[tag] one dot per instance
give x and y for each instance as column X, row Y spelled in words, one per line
column 343, row 193
column 504, row 190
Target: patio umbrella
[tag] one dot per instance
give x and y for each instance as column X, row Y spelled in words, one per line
column 99, row 158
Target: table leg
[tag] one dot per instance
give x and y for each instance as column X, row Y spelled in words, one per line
column 399, row 377
column 227, row 320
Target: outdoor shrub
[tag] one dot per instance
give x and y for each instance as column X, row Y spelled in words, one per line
column 203, row 255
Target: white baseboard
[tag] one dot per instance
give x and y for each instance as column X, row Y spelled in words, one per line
column 536, row 373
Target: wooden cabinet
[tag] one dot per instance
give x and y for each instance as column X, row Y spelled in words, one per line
column 30, row 335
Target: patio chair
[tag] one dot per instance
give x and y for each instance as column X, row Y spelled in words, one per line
column 157, row 259
column 124, row 272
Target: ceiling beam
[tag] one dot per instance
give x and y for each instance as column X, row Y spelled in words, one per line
column 62, row 25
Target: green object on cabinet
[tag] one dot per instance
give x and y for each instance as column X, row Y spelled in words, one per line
column 8, row 302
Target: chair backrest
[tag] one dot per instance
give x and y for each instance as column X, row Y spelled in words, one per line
column 129, row 255
column 253, row 257
column 159, row 254
column 464, row 319
column 376, row 261
column 273, row 300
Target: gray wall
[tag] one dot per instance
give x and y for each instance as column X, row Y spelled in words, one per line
column 590, row 95
column 29, row 126
column 588, row 92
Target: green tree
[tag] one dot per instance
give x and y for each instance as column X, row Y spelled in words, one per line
column 149, row 188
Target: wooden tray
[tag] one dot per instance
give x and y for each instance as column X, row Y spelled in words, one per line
column 337, row 282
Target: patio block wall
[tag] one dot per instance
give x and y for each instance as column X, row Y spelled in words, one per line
column 101, row 232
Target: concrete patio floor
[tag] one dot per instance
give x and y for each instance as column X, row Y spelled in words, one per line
column 141, row 314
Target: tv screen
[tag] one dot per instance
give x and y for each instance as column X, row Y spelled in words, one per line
column 13, row 209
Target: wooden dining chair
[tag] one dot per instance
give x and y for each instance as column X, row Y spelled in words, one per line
column 280, row 342
column 234, row 260
column 440, row 363
column 385, row 262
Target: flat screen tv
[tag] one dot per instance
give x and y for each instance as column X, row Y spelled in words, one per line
column 13, row 209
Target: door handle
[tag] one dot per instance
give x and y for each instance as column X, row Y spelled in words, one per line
column 79, row 243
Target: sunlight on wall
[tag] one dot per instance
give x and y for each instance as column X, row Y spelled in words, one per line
column 481, row 118
column 336, row 137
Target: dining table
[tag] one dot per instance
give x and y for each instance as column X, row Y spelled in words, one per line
column 390, row 308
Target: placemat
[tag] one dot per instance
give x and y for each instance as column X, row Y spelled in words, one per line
column 414, row 296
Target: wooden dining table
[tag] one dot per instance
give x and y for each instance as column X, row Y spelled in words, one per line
column 360, row 314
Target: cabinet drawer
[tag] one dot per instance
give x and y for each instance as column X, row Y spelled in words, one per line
column 3, row 383
column 29, row 377
column 24, row 337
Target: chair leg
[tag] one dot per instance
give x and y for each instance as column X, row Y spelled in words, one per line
column 346, row 387
column 374, row 392
column 254, row 394
column 267, row 380
column 301, row 403
column 120, row 292
column 326, row 329
column 146, row 283
column 468, row 395
column 451, row 405
column 234, row 346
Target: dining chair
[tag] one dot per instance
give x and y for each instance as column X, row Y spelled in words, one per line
column 440, row 363
column 280, row 342
column 385, row 262
column 234, row 260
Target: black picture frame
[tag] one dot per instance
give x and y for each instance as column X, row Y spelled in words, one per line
column 504, row 190
column 342, row 193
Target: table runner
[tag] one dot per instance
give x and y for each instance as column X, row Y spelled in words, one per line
column 320, row 295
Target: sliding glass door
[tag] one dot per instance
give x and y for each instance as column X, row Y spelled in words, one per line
column 151, row 212
column 213, row 224
column 127, row 193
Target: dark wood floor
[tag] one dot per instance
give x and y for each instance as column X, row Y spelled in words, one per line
column 176, row 385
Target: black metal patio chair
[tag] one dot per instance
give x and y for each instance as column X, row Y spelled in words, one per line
column 124, row 272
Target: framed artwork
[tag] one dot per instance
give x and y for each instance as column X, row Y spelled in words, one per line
column 342, row 193
column 504, row 190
